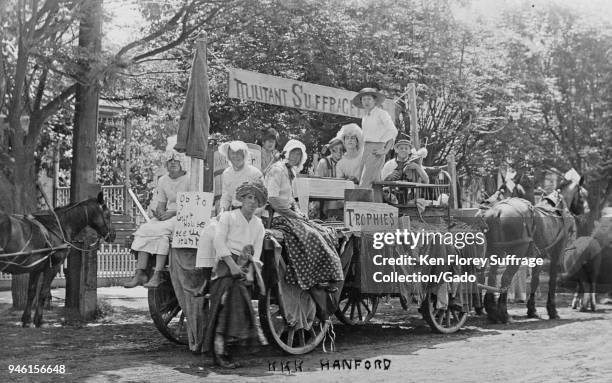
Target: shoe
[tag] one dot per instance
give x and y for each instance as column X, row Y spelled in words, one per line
column 140, row 278
column 224, row 361
column 155, row 280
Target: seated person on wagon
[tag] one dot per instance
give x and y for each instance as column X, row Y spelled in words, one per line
column 238, row 242
column 239, row 172
column 327, row 168
column 350, row 165
column 405, row 166
column 235, row 175
column 154, row 236
column 313, row 259
column 269, row 141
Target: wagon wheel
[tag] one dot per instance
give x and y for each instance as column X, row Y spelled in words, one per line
column 444, row 321
column 277, row 331
column 166, row 313
column 355, row 307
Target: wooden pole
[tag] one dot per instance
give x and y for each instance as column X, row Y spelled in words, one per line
column 81, row 279
column 127, row 162
column 452, row 171
column 412, row 109
column 209, row 177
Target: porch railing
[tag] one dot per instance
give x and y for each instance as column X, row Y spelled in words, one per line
column 115, row 196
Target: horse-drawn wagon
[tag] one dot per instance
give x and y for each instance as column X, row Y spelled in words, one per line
column 444, row 303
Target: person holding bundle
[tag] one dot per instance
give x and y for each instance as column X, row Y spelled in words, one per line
column 238, row 242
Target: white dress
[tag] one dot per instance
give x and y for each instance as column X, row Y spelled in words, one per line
column 154, row 236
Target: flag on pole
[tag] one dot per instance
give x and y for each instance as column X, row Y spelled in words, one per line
column 192, row 138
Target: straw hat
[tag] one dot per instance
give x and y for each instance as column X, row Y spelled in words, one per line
column 378, row 97
column 333, row 142
column 402, row 139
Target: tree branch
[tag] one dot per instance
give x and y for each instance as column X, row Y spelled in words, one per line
column 55, row 104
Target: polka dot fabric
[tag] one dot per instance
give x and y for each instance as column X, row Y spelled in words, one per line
column 311, row 250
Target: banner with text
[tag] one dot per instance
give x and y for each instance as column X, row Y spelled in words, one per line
column 192, row 214
column 253, row 86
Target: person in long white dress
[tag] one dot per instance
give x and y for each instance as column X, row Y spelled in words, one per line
column 154, row 236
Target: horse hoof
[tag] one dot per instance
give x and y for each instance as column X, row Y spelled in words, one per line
column 554, row 317
column 533, row 315
column 583, row 309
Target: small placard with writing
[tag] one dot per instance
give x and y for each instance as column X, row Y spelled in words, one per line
column 192, row 214
column 370, row 216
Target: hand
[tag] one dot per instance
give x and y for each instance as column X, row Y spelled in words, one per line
column 411, row 165
column 166, row 215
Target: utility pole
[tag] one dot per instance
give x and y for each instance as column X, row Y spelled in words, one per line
column 81, row 278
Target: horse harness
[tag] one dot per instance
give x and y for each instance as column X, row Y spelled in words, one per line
column 530, row 229
column 45, row 233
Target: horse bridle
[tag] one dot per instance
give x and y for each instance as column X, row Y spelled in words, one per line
column 96, row 244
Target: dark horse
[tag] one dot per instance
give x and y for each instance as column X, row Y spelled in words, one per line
column 516, row 227
column 38, row 244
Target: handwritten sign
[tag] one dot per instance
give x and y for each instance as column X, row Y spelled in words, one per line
column 192, row 214
column 258, row 87
column 370, row 216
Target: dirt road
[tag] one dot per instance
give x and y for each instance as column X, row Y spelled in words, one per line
column 125, row 346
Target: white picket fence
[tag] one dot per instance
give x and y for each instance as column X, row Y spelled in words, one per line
column 114, row 261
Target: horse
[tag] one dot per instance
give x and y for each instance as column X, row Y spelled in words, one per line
column 39, row 243
column 588, row 263
column 516, row 227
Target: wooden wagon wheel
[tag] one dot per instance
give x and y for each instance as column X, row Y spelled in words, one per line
column 355, row 307
column 167, row 314
column 277, row 331
column 444, row 321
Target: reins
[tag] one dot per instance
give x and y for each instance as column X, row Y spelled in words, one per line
column 96, row 244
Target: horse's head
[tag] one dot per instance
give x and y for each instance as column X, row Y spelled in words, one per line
column 574, row 195
column 100, row 220
column 492, row 200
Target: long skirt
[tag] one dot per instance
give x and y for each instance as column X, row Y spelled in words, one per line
column 311, row 251
column 154, row 236
column 372, row 164
column 231, row 312
column 186, row 281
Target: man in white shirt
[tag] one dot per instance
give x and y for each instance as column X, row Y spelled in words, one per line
column 379, row 132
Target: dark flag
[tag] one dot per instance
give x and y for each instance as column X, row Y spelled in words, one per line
column 192, row 136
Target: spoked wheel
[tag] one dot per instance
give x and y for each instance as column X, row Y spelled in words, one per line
column 444, row 321
column 166, row 313
column 355, row 307
column 286, row 338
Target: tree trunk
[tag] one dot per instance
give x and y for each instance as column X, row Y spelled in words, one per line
column 23, row 198
column 81, row 282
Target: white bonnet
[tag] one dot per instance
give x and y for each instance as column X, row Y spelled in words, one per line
column 295, row 144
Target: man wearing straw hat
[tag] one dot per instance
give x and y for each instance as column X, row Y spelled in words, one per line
column 379, row 132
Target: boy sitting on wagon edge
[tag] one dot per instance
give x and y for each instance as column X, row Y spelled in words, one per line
column 399, row 168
